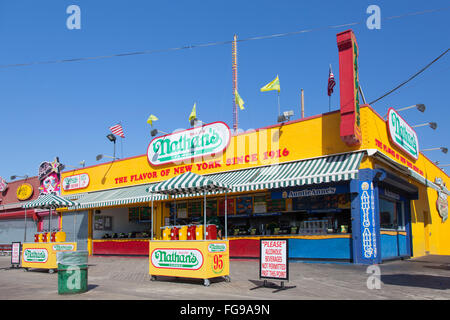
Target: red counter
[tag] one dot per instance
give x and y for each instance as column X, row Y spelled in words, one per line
column 239, row 248
column 121, row 246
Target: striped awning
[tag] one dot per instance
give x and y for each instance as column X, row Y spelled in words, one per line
column 49, row 201
column 335, row 168
column 116, row 197
column 189, row 183
column 327, row 169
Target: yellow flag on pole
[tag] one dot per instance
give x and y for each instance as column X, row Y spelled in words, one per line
column 193, row 114
column 238, row 100
column 273, row 85
column 151, row 119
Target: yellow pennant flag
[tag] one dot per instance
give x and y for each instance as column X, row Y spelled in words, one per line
column 238, row 100
column 151, row 119
column 273, row 85
column 193, row 114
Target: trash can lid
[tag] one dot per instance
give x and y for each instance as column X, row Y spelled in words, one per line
column 72, row 258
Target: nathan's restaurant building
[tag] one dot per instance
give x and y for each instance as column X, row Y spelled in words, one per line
column 297, row 180
column 343, row 186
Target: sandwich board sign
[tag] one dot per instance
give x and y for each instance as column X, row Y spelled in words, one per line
column 274, row 262
column 15, row 254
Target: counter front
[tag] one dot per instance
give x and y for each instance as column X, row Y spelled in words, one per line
column 42, row 255
column 200, row 259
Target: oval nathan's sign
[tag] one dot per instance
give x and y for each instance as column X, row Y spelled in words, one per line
column 185, row 259
column 193, row 143
column 217, row 247
column 78, row 181
column 402, row 135
column 35, row 255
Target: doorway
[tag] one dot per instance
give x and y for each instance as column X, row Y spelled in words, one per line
column 427, row 231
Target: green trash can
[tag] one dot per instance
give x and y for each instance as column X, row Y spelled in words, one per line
column 72, row 272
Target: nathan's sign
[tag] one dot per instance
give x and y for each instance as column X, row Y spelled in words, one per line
column 350, row 127
column 184, row 259
column 78, row 181
column 63, row 247
column 198, row 142
column 402, row 135
column 35, row 255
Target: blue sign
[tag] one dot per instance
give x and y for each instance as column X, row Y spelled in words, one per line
column 310, row 192
column 368, row 223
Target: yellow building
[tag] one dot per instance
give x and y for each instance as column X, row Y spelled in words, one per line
column 298, row 180
column 346, row 185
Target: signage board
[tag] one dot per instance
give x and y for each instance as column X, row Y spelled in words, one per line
column 3, row 184
column 63, row 247
column 24, row 191
column 184, row 146
column 79, row 181
column 402, row 134
column 15, row 253
column 35, row 255
column 442, row 205
column 274, row 259
column 309, row 192
column 184, row 259
column 368, row 223
column 350, row 127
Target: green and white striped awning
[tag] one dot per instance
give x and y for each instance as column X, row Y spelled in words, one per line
column 335, row 168
column 116, row 197
column 49, row 201
column 312, row 171
column 189, row 183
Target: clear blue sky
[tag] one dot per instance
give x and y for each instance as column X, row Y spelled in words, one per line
column 66, row 109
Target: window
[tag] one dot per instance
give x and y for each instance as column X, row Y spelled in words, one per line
column 392, row 214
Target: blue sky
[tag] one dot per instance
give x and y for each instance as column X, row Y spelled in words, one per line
column 66, row 109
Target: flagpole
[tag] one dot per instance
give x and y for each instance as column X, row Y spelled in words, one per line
column 278, row 102
column 329, row 103
column 121, row 144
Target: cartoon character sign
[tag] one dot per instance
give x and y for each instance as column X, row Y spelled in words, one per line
column 51, row 184
column 49, row 177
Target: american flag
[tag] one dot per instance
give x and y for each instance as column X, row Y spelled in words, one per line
column 331, row 82
column 117, row 130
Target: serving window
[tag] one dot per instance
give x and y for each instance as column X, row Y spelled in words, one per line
column 391, row 214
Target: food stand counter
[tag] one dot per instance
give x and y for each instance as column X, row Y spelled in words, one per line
column 200, row 259
column 42, row 255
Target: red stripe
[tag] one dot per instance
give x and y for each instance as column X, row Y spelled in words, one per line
column 117, row 130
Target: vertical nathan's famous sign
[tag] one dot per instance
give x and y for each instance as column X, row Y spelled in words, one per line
column 350, row 128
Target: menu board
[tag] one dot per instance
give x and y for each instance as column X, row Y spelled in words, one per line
column 102, row 223
column 337, row 201
column 98, row 223
column 230, row 207
column 277, row 205
column 195, row 208
column 244, row 205
column 211, row 208
column 182, row 210
column 133, row 214
column 146, row 213
column 259, row 204
column 15, row 253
